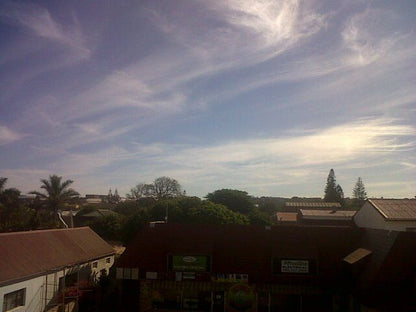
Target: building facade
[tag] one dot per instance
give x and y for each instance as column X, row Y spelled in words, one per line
column 36, row 267
column 387, row 214
column 235, row 268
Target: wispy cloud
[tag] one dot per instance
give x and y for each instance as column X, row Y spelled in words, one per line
column 371, row 35
column 284, row 161
column 126, row 89
column 343, row 72
column 8, row 136
column 243, row 32
column 158, row 85
column 334, row 145
column 39, row 21
column 42, row 44
column 24, row 179
column 273, row 21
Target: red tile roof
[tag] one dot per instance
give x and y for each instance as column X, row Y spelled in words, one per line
column 396, row 209
column 29, row 254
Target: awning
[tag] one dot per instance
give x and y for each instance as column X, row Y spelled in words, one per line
column 357, row 255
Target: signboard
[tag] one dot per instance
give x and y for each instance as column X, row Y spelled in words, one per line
column 294, row 266
column 189, row 263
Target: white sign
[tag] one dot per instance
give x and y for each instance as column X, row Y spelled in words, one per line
column 295, row 266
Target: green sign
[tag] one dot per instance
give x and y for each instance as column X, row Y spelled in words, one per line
column 189, row 263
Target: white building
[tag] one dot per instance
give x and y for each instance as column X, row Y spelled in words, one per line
column 36, row 265
column 387, row 214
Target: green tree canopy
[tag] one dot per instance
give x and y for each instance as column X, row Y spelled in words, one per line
column 195, row 210
column 235, row 200
column 211, row 213
column 15, row 215
column 132, row 224
column 108, row 227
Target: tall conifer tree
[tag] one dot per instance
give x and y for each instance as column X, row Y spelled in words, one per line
column 333, row 191
column 359, row 190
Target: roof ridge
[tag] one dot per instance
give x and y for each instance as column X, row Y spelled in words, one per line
column 42, row 231
column 378, row 208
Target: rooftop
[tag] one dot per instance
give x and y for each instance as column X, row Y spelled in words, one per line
column 396, row 209
column 326, row 205
column 32, row 253
column 287, row 216
column 327, row 214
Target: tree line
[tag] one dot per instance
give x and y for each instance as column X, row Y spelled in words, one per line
column 163, row 200
column 335, row 193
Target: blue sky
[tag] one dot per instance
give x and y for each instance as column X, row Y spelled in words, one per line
column 261, row 96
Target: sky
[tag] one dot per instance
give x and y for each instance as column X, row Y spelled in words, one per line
column 261, row 96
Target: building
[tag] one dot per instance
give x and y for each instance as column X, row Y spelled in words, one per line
column 87, row 218
column 286, row 218
column 295, row 206
column 381, row 272
column 36, row 266
column 279, row 268
column 95, row 198
column 326, row 217
column 387, row 214
column 229, row 268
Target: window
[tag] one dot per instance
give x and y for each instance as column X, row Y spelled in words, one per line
column 14, row 299
column 108, row 260
column 95, row 264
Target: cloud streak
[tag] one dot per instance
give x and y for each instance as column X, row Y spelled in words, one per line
column 8, row 136
column 40, row 23
column 296, row 156
column 239, row 93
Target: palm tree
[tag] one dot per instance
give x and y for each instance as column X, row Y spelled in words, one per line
column 2, row 184
column 57, row 193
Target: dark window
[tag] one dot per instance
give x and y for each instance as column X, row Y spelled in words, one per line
column 95, row 264
column 14, row 299
column 108, row 260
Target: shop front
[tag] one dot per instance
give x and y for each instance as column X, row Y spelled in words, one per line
column 233, row 297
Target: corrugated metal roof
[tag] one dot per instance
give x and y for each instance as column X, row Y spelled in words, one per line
column 328, row 214
column 396, row 209
column 287, row 216
column 28, row 254
column 313, row 204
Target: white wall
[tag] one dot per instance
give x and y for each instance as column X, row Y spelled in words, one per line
column 369, row 217
column 36, row 290
column 47, row 285
column 102, row 265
